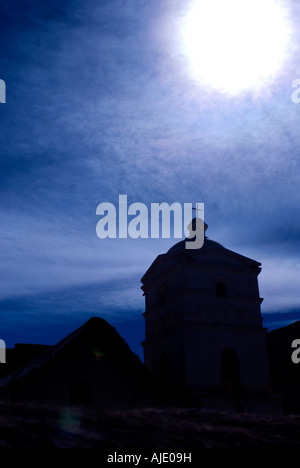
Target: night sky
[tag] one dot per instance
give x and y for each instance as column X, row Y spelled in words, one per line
column 100, row 102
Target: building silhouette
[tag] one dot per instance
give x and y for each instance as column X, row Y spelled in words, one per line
column 92, row 366
column 203, row 327
column 204, row 341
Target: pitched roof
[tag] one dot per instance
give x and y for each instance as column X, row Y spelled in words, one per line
column 102, row 340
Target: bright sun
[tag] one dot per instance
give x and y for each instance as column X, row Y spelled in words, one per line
column 235, row 45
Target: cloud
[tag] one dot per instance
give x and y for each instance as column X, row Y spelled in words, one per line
column 279, row 284
column 99, row 104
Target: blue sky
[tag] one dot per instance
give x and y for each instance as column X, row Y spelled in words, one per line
column 98, row 104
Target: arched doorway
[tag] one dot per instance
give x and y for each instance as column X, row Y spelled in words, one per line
column 221, row 289
column 230, row 371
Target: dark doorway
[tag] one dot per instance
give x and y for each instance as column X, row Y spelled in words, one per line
column 230, row 371
column 221, row 289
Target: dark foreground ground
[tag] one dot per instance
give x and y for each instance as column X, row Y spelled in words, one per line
column 30, row 426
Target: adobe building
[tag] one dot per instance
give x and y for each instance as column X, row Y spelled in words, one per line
column 203, row 327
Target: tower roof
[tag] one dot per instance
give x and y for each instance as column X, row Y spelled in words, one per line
column 193, row 225
column 208, row 244
column 209, row 251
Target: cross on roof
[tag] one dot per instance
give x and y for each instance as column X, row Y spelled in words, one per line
column 197, row 209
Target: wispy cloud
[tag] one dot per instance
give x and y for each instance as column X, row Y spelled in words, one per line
column 99, row 104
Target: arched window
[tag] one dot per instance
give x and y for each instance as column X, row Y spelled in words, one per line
column 221, row 289
column 230, row 371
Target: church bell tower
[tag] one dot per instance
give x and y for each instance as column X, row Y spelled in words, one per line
column 203, row 326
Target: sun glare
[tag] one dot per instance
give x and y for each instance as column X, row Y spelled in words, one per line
column 235, row 45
